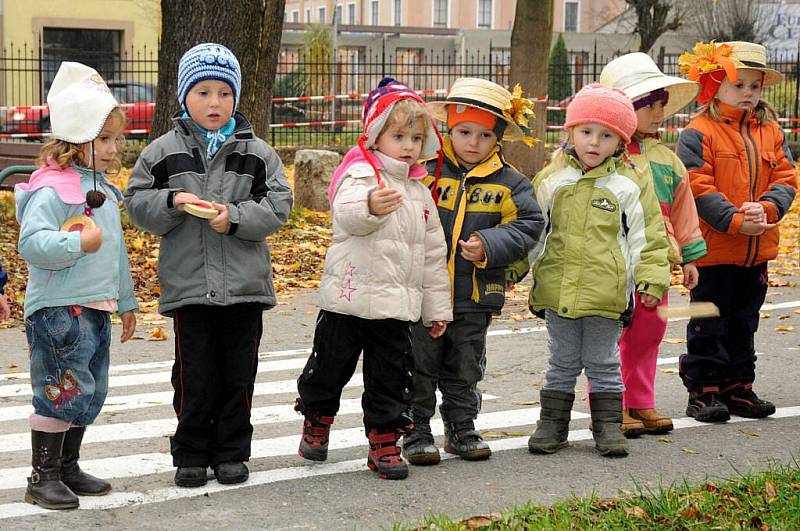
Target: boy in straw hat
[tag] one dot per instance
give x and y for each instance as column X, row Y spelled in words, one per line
column 490, row 220
column 744, row 181
column 655, row 96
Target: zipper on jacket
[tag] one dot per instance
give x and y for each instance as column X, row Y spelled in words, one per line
column 754, row 186
column 749, row 179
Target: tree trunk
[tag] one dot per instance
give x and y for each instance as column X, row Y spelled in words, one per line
column 250, row 28
column 530, row 49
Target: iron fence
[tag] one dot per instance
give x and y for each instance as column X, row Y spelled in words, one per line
column 318, row 103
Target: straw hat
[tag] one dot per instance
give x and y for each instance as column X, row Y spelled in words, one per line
column 492, row 98
column 711, row 57
column 638, row 75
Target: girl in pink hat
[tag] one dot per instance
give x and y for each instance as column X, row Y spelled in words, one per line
column 655, row 96
column 603, row 245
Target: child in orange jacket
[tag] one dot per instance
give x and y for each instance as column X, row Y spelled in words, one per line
column 744, row 181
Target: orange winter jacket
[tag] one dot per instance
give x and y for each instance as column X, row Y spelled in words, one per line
column 732, row 161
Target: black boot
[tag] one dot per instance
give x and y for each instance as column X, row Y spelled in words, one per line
column 743, row 401
column 607, row 424
column 706, row 405
column 419, row 448
column 552, row 429
column 44, row 486
column 462, row 440
column 72, row 476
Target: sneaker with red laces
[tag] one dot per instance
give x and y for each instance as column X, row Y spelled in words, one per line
column 314, row 441
column 706, row 405
column 384, row 454
column 742, row 401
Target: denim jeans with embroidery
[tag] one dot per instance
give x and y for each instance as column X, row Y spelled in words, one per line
column 69, row 362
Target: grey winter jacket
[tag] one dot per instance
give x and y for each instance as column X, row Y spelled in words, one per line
column 196, row 265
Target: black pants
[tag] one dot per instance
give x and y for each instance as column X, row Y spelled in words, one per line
column 338, row 342
column 721, row 350
column 216, row 358
column 455, row 362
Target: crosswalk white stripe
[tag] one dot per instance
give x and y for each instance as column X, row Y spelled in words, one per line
column 125, row 431
column 163, row 398
column 156, row 463
column 116, row 500
column 115, row 369
column 157, row 377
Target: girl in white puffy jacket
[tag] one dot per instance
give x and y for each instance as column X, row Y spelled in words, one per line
column 384, row 271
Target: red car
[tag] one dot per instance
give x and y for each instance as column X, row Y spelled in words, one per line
column 137, row 99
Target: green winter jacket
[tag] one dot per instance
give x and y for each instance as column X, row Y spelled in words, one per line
column 604, row 237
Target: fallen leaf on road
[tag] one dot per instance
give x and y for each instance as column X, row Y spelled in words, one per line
column 157, row 334
column 525, row 402
column 782, row 317
column 669, row 370
column 673, row 340
column 664, row 439
column 745, row 431
column 478, row 522
column 784, row 328
column 115, row 319
column 689, row 451
column 499, row 434
column 772, row 490
column 764, row 315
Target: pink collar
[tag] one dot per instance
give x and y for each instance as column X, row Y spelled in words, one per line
column 65, row 181
column 354, row 156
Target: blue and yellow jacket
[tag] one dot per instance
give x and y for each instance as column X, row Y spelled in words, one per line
column 495, row 202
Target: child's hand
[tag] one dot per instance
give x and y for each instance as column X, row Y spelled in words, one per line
column 510, row 285
column 383, row 200
column 5, row 310
column 648, row 301
column 91, row 239
column 690, row 275
column 753, row 212
column 222, row 222
column 472, row 250
column 181, row 198
column 437, row 329
column 128, row 325
column 752, row 228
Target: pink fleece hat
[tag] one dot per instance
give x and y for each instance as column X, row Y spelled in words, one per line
column 609, row 107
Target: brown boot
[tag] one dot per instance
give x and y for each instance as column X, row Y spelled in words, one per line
column 72, row 476
column 631, row 427
column 654, row 422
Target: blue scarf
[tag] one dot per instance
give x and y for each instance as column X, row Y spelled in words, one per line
column 215, row 137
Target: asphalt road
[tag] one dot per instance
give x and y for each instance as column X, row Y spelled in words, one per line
column 129, row 442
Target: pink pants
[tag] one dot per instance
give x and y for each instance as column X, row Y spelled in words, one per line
column 638, row 353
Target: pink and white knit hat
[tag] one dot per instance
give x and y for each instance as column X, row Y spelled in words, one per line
column 609, row 107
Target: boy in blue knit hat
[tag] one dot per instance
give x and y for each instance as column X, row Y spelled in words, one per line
column 213, row 191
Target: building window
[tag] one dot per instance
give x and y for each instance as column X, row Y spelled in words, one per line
column 351, row 14
column 374, row 12
column 441, row 13
column 571, row 10
column 308, row 16
column 338, row 12
column 321, row 15
column 397, row 12
column 295, row 16
column 485, row 8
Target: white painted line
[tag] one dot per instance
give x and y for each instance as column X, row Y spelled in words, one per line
column 164, row 398
column 155, row 428
column 117, row 369
column 116, row 500
column 158, row 377
column 155, row 463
